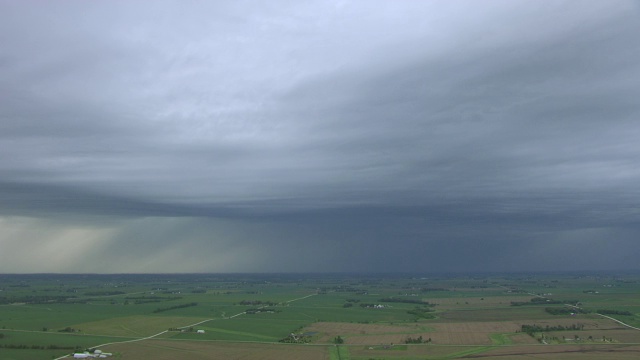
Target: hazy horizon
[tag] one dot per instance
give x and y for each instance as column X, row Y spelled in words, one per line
column 322, row 136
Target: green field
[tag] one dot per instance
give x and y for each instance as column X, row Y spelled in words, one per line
column 375, row 316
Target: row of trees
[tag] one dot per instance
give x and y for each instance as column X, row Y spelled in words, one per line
column 33, row 299
column 104, row 293
column 545, row 301
column 418, row 340
column 405, row 301
column 38, row 347
column 181, row 306
column 614, row 312
column 257, row 302
column 531, row 329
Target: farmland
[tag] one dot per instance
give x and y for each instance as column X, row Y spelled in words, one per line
column 330, row 316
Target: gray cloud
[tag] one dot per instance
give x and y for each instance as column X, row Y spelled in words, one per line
column 471, row 135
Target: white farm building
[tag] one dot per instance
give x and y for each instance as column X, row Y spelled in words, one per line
column 97, row 354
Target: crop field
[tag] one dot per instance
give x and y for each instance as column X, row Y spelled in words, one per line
column 197, row 350
column 312, row 316
column 135, row 326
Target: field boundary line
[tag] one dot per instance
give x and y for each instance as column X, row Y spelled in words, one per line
column 120, row 342
column 183, row 327
column 304, row 297
column 608, row 317
column 579, row 308
column 619, row 322
column 198, row 323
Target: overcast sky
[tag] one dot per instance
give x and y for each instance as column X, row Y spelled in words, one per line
column 251, row 136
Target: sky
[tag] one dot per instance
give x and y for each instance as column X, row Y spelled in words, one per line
column 319, row 136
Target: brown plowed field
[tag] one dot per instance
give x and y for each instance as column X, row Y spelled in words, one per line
column 561, row 352
column 209, row 350
column 617, row 335
column 589, row 322
column 471, row 333
column 476, row 333
column 362, row 333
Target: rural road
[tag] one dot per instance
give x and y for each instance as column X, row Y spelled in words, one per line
column 577, row 307
column 182, row 327
column 620, row 322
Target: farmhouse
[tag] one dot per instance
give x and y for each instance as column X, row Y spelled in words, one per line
column 96, row 354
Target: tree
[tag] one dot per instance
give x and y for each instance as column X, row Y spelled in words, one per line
column 338, row 340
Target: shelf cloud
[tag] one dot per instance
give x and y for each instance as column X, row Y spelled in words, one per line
column 319, row 136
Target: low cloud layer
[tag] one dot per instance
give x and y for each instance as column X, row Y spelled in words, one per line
column 321, row 136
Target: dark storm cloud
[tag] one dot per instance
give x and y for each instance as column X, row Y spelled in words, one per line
column 543, row 124
column 410, row 136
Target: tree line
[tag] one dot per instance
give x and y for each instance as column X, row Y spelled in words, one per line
column 181, row 306
column 531, row 329
column 544, row 301
column 614, row 312
column 418, row 340
column 405, row 301
column 38, row 347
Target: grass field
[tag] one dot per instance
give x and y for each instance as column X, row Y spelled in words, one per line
column 287, row 316
column 135, row 326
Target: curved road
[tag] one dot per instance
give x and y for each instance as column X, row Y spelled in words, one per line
column 182, row 327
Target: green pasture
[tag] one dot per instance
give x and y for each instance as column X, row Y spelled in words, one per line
column 258, row 327
column 50, row 316
column 28, row 354
column 339, row 352
column 222, row 334
column 94, row 307
column 501, row 339
column 506, row 313
column 136, row 326
column 47, row 339
column 50, row 338
column 468, row 352
column 354, row 314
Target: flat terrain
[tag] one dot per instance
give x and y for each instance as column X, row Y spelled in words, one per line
column 198, row 350
column 293, row 316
